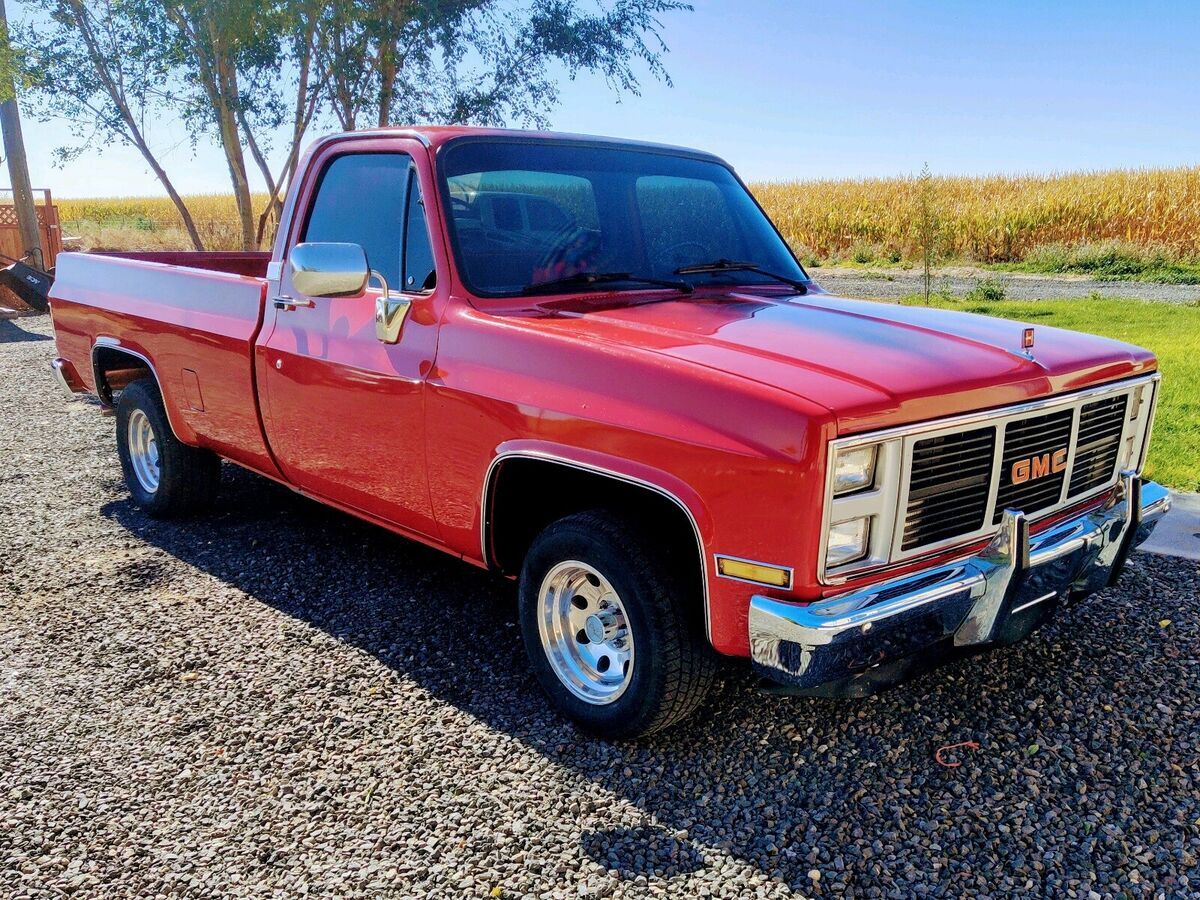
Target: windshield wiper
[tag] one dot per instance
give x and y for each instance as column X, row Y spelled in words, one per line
column 586, row 279
column 735, row 265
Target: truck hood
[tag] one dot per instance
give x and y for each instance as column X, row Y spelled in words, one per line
column 873, row 365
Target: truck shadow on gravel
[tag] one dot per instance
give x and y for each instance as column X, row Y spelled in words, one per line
column 1087, row 745
column 13, row 333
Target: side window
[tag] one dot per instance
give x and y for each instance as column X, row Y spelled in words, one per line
column 360, row 200
column 419, row 273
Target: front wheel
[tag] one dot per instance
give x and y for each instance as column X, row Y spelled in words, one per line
column 607, row 627
column 165, row 476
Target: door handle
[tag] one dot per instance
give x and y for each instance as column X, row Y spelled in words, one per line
column 284, row 302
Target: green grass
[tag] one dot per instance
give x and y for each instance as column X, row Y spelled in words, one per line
column 1171, row 332
column 1104, row 261
column 1109, row 261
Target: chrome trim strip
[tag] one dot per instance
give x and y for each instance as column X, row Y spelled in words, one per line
column 890, row 521
column 1151, row 414
column 791, row 573
column 1072, row 452
column 57, row 366
column 484, row 508
column 112, row 343
column 1035, row 602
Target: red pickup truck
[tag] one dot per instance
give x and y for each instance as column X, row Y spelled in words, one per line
column 595, row 367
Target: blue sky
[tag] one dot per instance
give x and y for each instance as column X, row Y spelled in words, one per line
column 805, row 90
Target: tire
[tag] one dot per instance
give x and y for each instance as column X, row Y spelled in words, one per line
column 670, row 664
column 184, row 479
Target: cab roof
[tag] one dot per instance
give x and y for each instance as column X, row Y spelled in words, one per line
column 435, row 136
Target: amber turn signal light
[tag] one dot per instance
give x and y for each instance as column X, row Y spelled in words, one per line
column 759, row 573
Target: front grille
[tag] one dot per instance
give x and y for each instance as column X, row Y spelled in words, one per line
column 954, row 478
column 1029, row 448
column 1100, row 426
column 948, row 486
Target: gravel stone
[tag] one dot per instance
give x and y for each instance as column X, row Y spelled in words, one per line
column 276, row 699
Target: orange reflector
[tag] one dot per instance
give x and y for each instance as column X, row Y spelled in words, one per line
column 774, row 576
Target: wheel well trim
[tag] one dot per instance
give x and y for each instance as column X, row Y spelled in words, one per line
column 107, row 342
column 567, row 462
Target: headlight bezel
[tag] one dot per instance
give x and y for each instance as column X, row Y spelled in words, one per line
column 873, row 498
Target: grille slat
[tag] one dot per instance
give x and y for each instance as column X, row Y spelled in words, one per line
column 957, row 452
column 1100, row 432
column 957, row 469
column 1101, row 424
column 934, row 472
column 1030, row 446
column 948, row 522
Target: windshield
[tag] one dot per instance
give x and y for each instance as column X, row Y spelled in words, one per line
column 525, row 213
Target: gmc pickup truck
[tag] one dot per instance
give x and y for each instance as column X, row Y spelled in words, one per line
column 595, row 367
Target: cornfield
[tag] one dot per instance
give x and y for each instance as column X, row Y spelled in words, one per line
column 987, row 219
column 999, row 218
column 151, row 223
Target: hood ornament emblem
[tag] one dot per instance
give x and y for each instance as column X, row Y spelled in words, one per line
column 1027, row 342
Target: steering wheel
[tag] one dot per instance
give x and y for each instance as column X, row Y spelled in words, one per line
column 573, row 249
column 684, row 253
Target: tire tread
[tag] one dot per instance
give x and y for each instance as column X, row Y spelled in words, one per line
column 686, row 664
column 189, row 475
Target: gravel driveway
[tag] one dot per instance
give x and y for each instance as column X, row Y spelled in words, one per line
column 892, row 284
column 278, row 699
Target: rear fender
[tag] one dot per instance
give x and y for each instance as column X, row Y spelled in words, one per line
column 106, row 357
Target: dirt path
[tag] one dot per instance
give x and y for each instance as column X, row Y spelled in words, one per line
column 891, row 284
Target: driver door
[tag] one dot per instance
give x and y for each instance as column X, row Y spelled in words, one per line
column 343, row 408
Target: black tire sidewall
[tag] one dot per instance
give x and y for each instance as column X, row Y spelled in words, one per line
column 144, row 396
column 571, row 538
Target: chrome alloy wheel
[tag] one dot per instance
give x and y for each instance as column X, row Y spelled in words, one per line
column 143, row 451
column 585, row 632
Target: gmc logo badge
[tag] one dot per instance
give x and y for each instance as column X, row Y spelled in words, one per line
column 1038, row 466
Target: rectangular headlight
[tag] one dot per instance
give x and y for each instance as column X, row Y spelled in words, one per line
column 854, row 469
column 847, row 541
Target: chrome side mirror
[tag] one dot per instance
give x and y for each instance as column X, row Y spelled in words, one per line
column 328, row 270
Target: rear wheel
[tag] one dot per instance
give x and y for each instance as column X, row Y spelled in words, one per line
column 608, row 631
column 165, row 476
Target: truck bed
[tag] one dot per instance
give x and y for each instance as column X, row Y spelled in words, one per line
column 193, row 317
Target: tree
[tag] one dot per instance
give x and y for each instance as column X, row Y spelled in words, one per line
column 242, row 70
column 928, row 227
column 101, row 66
column 303, row 30
column 235, row 51
column 481, row 61
column 111, row 68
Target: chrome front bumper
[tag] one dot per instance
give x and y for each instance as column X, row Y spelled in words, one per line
column 853, row 644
